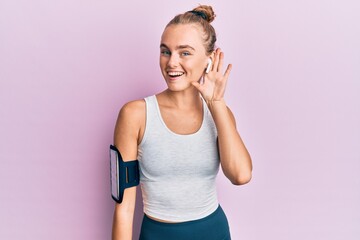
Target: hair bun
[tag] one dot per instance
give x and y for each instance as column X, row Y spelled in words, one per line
column 207, row 10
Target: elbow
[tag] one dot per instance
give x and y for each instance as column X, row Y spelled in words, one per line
column 242, row 179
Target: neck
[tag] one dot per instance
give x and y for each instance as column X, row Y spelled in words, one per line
column 186, row 99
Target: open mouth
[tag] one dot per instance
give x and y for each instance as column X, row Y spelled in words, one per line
column 175, row 74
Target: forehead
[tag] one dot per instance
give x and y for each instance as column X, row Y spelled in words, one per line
column 182, row 34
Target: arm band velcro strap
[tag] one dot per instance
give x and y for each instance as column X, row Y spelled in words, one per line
column 123, row 174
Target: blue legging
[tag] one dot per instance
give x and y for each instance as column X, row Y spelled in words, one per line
column 213, row 227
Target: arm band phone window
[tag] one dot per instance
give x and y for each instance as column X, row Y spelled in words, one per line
column 123, row 174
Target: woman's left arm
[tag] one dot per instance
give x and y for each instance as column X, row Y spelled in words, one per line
column 235, row 159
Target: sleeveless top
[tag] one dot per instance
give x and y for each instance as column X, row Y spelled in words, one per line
column 178, row 172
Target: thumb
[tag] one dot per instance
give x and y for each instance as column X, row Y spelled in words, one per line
column 197, row 85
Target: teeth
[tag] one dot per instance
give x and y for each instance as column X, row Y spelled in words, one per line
column 175, row 74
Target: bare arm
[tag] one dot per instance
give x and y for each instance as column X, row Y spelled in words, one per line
column 126, row 136
column 235, row 159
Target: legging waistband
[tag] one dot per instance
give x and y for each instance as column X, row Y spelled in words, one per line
column 212, row 227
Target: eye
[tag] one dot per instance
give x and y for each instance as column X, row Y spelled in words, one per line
column 165, row 52
column 185, row 54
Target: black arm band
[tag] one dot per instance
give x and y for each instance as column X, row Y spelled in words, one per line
column 123, row 174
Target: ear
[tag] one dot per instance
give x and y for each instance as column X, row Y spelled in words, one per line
column 212, row 55
column 209, row 66
column 210, row 61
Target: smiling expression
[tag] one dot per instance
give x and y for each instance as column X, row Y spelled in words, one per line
column 183, row 57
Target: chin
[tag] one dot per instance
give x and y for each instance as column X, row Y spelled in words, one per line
column 177, row 87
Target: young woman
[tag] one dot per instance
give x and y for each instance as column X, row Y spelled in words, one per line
column 180, row 137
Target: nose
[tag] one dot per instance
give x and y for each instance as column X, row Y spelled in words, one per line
column 173, row 61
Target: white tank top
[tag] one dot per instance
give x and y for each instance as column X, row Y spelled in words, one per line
column 178, row 172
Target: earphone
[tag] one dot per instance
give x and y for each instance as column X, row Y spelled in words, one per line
column 208, row 66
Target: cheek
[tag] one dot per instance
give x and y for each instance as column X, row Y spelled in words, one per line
column 198, row 67
column 195, row 66
column 162, row 61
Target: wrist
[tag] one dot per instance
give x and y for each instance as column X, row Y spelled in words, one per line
column 216, row 103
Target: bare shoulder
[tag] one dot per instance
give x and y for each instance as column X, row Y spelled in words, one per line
column 130, row 122
column 133, row 108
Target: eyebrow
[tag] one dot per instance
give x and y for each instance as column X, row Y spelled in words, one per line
column 178, row 47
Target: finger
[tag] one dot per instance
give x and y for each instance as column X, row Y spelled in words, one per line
column 228, row 70
column 197, row 85
column 216, row 60
column 221, row 62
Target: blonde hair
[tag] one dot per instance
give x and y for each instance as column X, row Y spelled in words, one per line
column 201, row 16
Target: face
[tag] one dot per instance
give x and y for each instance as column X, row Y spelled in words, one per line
column 183, row 57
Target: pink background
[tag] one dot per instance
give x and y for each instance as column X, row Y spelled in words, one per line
column 66, row 68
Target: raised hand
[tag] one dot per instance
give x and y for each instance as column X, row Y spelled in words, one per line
column 214, row 84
